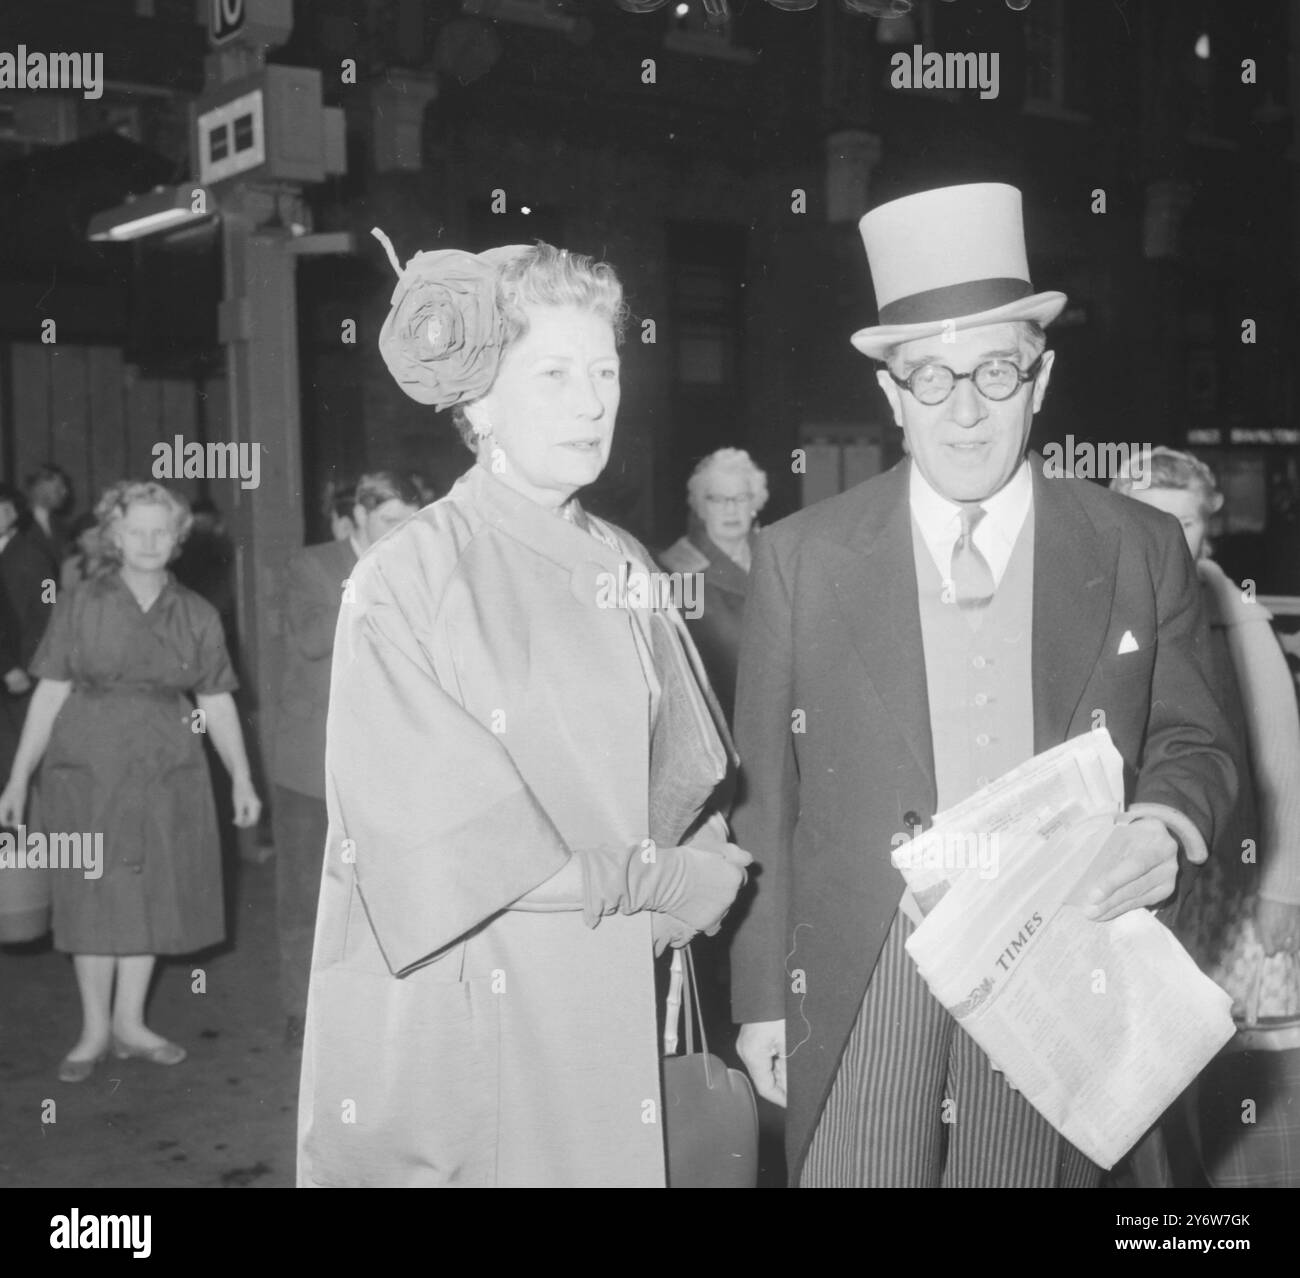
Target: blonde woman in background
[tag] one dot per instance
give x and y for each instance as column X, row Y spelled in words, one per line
column 1241, row 918
column 119, row 747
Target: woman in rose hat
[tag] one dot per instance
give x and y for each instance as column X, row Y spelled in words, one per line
column 514, row 768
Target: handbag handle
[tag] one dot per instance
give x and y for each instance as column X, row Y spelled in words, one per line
column 1253, row 994
column 683, row 977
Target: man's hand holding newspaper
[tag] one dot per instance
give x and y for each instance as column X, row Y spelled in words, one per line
column 1029, row 933
column 1146, row 874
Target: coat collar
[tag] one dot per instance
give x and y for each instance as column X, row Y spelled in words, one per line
column 874, row 580
column 566, row 542
column 723, row 571
column 116, row 585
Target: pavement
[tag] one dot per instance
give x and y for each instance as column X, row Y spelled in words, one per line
column 223, row 1118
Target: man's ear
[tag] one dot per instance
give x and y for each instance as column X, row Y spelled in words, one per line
column 892, row 394
column 1044, row 376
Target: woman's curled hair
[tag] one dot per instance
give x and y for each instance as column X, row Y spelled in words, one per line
column 544, row 275
column 117, row 501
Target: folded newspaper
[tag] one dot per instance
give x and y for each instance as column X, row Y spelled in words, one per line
column 1099, row 1025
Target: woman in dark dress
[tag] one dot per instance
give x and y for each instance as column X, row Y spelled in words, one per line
column 123, row 759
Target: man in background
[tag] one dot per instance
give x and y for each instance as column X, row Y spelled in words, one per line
column 313, row 591
column 28, row 580
column 49, row 493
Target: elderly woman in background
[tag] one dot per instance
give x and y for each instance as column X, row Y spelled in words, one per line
column 1241, row 919
column 123, row 759
column 726, row 492
column 519, row 776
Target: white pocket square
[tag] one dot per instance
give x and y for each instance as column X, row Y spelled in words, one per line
column 1127, row 644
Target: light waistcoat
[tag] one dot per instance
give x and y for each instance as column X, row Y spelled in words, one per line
column 979, row 679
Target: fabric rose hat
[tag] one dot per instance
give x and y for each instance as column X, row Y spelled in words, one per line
column 952, row 258
column 443, row 336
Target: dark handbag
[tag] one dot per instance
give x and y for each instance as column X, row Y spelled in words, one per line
column 710, row 1118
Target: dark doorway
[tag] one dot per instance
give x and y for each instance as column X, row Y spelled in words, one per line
column 707, row 272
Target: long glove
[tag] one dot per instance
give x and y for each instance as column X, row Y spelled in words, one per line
column 694, row 886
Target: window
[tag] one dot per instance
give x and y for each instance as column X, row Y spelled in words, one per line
column 706, row 277
column 1045, row 53
column 1052, row 66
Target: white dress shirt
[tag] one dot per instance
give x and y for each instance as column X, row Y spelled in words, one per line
column 995, row 535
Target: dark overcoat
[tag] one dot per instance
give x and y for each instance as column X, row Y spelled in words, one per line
column 833, row 728
column 312, row 590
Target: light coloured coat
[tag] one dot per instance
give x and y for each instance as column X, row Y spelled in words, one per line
column 487, row 717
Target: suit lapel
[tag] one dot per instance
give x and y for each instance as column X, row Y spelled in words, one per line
column 874, row 580
column 1074, row 588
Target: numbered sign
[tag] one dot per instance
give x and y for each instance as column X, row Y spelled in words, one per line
column 225, row 19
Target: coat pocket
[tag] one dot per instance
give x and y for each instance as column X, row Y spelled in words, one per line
column 399, row 1081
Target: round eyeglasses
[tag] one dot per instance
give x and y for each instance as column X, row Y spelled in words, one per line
column 729, row 503
column 995, row 379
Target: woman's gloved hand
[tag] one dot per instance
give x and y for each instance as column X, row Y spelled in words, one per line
column 666, row 930
column 693, row 885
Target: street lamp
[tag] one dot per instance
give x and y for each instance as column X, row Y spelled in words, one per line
column 164, row 209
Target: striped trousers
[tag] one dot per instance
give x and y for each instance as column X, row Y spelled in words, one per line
column 915, row 1102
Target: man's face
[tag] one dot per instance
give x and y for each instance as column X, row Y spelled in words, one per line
column 373, row 524
column 969, row 446
column 50, row 492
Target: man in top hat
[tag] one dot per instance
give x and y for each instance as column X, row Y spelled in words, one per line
column 905, row 643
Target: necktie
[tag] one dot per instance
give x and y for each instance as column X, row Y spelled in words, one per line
column 972, row 578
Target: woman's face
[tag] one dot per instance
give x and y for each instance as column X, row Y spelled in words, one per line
column 552, row 408
column 728, row 507
column 145, row 537
column 1186, row 506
